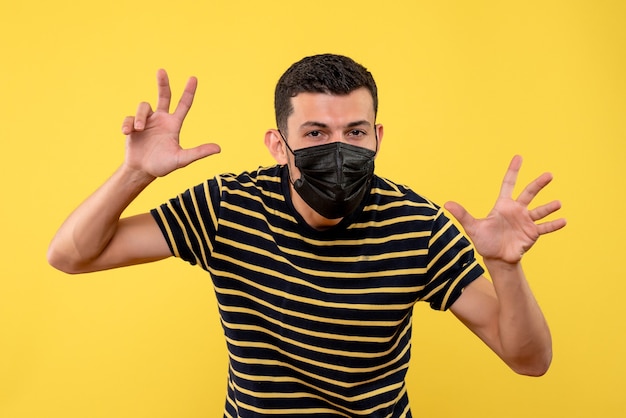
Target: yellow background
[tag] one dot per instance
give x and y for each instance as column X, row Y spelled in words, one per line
column 463, row 86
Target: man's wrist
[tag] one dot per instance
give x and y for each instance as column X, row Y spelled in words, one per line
column 138, row 178
column 495, row 265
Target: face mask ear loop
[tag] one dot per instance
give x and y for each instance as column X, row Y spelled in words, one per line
column 285, row 141
column 290, row 150
column 375, row 136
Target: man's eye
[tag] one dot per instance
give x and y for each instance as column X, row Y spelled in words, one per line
column 356, row 132
column 314, row 133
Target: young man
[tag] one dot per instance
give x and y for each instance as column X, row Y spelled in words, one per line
column 316, row 261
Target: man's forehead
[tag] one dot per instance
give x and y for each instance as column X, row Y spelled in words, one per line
column 361, row 92
column 355, row 101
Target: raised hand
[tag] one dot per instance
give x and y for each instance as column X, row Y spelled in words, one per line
column 153, row 136
column 511, row 228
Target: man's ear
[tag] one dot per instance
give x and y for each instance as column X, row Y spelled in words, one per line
column 380, row 131
column 276, row 147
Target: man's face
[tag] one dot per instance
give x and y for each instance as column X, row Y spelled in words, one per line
column 319, row 118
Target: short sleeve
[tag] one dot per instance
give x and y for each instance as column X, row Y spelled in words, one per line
column 452, row 263
column 189, row 221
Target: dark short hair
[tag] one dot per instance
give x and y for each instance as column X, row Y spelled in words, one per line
column 325, row 73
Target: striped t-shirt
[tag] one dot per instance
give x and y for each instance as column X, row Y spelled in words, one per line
column 317, row 323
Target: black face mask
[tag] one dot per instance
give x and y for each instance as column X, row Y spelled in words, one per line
column 334, row 177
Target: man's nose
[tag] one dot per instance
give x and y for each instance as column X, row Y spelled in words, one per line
column 337, row 137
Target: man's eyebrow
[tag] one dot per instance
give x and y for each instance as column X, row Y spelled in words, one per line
column 313, row 124
column 359, row 123
column 316, row 124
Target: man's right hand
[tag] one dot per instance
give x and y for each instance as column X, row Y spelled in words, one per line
column 93, row 237
column 153, row 136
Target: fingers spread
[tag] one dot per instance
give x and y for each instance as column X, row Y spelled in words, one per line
column 165, row 93
column 547, row 227
column 144, row 110
column 186, row 100
column 544, row 210
column 190, row 155
column 510, row 178
column 128, row 125
column 465, row 219
column 534, row 188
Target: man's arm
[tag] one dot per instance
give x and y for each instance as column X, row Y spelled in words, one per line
column 509, row 321
column 94, row 237
column 504, row 313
